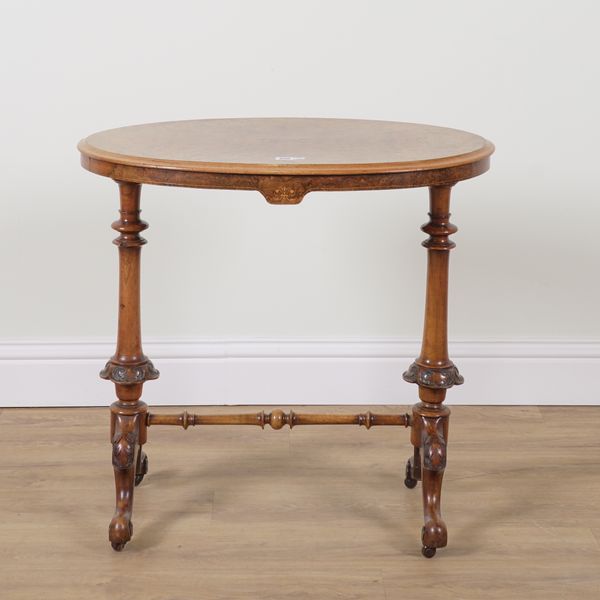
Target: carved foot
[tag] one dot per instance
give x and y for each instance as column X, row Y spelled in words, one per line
column 413, row 469
column 120, row 531
column 125, row 439
column 409, row 481
column 434, row 533
column 432, row 429
column 141, row 467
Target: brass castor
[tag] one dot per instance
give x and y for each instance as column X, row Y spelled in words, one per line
column 143, row 470
column 409, row 481
column 428, row 552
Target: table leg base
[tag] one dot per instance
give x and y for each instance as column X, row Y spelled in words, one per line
column 128, row 434
column 428, row 424
column 429, row 433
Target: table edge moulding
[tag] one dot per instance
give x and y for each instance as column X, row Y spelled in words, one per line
column 284, row 159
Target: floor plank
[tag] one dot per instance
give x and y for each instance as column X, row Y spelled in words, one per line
column 317, row 512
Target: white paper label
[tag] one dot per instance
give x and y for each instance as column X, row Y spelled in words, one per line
column 290, row 157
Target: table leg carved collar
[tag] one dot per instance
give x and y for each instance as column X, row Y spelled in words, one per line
column 329, row 154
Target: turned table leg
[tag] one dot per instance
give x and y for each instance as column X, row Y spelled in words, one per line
column 128, row 369
column 434, row 373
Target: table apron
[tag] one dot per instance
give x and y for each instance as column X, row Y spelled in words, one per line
column 285, row 189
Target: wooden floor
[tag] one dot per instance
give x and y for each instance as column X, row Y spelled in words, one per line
column 318, row 512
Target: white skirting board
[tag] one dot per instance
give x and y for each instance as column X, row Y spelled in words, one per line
column 297, row 371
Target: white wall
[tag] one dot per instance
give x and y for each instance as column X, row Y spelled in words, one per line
column 223, row 264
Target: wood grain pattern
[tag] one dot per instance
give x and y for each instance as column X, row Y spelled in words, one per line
column 245, row 154
column 284, row 159
column 434, row 373
column 248, row 514
column 276, row 188
column 128, row 369
column 278, row 418
column 284, row 146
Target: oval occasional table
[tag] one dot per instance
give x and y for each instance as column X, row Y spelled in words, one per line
column 284, row 159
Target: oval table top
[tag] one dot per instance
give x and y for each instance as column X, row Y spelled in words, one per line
column 262, row 152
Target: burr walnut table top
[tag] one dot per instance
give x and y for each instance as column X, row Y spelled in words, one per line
column 287, row 146
column 284, row 159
